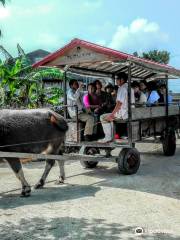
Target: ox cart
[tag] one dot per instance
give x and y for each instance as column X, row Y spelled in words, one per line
column 155, row 124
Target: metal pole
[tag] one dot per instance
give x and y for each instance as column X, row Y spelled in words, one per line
column 129, row 108
column 77, row 124
column 166, row 104
column 65, row 94
column 114, row 80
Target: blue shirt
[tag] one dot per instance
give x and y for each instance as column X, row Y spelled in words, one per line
column 170, row 99
column 153, row 98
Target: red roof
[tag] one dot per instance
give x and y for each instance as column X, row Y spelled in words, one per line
column 104, row 50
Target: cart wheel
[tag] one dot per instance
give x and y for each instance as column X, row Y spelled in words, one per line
column 90, row 164
column 128, row 161
column 169, row 144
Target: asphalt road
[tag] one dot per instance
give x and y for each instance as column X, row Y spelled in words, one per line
column 95, row 204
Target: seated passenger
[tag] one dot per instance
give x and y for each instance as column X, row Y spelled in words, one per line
column 162, row 94
column 90, row 100
column 143, row 86
column 74, row 97
column 109, row 88
column 121, row 109
column 140, row 97
column 152, row 94
column 105, row 99
column 110, row 101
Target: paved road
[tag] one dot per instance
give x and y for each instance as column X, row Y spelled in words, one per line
column 95, row 204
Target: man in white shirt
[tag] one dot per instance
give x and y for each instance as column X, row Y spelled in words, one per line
column 121, row 109
column 74, row 97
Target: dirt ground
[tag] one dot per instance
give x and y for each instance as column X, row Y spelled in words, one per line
column 95, row 204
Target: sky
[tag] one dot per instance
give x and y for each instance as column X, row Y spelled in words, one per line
column 125, row 25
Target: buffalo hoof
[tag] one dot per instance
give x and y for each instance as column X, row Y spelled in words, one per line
column 60, row 181
column 26, row 191
column 39, row 185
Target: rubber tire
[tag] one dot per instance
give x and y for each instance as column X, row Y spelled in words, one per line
column 90, row 164
column 122, row 161
column 169, row 144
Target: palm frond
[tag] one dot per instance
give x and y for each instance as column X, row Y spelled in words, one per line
column 3, row 2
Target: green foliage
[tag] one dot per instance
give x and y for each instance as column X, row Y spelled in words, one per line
column 7, row 74
column 3, row 2
column 23, row 86
column 155, row 55
column 54, row 95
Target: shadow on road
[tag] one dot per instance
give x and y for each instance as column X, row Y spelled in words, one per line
column 73, row 228
column 156, row 175
column 48, row 194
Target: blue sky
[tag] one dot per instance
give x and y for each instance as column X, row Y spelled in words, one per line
column 131, row 25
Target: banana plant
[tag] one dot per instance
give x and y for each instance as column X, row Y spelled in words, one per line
column 23, row 85
column 7, row 74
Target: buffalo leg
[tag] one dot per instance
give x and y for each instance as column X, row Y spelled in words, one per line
column 49, row 165
column 62, row 172
column 16, row 166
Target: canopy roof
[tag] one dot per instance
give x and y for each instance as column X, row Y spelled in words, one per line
column 88, row 58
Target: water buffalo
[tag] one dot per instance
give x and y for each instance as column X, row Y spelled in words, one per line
column 32, row 131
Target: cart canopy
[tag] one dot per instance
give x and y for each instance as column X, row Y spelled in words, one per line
column 83, row 57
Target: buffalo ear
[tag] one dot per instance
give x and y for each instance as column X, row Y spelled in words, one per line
column 53, row 119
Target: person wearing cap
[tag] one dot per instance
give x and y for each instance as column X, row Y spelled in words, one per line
column 120, row 110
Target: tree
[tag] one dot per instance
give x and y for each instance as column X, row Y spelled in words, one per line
column 3, row 2
column 155, row 55
column 23, row 86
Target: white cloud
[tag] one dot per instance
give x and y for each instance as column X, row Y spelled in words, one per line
column 143, row 25
column 140, row 35
column 4, row 12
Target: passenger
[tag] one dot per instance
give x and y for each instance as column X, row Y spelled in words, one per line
column 105, row 99
column 140, row 97
column 74, row 97
column 162, row 94
column 152, row 94
column 143, row 86
column 100, row 93
column 109, row 88
column 121, row 109
column 110, row 101
column 90, row 100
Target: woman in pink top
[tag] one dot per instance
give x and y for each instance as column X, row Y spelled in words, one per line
column 90, row 100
